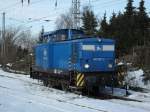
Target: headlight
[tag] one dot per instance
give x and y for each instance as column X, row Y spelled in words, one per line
column 110, row 65
column 86, row 66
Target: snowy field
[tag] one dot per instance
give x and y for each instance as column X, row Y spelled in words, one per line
column 19, row 93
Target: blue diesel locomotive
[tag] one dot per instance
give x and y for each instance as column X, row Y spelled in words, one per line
column 69, row 59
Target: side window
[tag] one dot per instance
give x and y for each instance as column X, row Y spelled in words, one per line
column 108, row 48
column 61, row 37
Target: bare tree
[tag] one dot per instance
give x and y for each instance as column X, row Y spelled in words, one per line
column 65, row 21
column 9, row 47
column 25, row 40
column 15, row 37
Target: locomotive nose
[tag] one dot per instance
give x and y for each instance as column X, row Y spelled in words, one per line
column 98, row 64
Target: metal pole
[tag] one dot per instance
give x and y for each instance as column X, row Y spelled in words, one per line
column 76, row 13
column 112, row 80
column 3, row 50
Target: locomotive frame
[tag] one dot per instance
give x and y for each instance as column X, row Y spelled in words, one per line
column 81, row 54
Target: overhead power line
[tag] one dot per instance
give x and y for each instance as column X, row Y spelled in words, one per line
column 14, row 19
column 110, row 5
column 35, row 20
column 17, row 3
column 105, row 3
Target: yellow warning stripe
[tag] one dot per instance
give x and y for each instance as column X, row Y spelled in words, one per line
column 122, row 73
column 80, row 80
column 119, row 74
column 78, row 76
column 120, row 82
column 82, row 83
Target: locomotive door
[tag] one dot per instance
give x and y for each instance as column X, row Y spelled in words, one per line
column 79, row 77
column 74, row 53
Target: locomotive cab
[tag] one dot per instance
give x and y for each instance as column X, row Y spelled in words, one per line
column 95, row 62
column 97, row 55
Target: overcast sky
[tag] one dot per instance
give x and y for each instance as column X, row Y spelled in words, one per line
column 41, row 10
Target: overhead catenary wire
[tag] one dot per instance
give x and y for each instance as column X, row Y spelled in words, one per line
column 100, row 3
column 25, row 23
column 105, row 4
column 37, row 20
column 15, row 4
column 35, row 2
column 97, row 4
column 32, row 21
column 110, row 4
column 9, row 7
column 14, row 19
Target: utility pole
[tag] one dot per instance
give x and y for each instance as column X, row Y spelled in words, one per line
column 76, row 13
column 41, row 38
column 3, row 49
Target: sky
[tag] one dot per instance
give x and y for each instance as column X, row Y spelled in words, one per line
column 34, row 16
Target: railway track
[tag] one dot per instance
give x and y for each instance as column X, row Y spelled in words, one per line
column 67, row 101
column 100, row 96
column 108, row 96
column 13, row 92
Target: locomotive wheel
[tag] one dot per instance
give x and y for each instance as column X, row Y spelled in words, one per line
column 45, row 82
column 65, row 86
column 50, row 84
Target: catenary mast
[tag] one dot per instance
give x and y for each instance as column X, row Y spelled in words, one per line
column 76, row 13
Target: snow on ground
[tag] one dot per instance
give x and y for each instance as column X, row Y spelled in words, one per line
column 143, row 97
column 116, row 91
column 19, row 93
column 135, row 79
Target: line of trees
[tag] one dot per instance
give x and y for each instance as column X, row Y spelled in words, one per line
column 15, row 47
column 129, row 28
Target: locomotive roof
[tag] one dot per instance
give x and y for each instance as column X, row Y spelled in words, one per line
column 85, row 40
column 89, row 39
column 60, row 31
column 81, row 38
